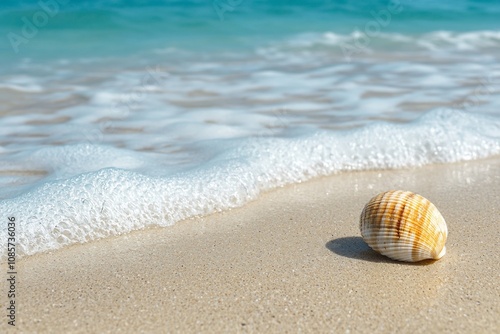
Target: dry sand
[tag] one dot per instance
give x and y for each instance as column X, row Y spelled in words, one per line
column 291, row 261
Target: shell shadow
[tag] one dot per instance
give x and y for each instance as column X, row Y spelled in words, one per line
column 356, row 248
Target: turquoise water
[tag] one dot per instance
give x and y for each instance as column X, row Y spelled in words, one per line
column 104, row 28
column 118, row 115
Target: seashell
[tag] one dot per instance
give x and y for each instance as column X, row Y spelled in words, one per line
column 404, row 226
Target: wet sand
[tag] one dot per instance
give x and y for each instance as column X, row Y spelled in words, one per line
column 291, row 261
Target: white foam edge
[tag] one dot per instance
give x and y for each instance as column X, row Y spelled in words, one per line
column 113, row 201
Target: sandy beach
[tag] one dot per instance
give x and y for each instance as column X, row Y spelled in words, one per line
column 291, row 261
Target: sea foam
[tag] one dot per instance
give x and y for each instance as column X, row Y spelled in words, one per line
column 77, row 205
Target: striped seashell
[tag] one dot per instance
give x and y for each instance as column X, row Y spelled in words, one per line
column 404, row 226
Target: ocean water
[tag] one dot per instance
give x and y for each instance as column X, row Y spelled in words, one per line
column 118, row 115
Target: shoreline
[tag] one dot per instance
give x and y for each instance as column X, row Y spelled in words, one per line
column 291, row 260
